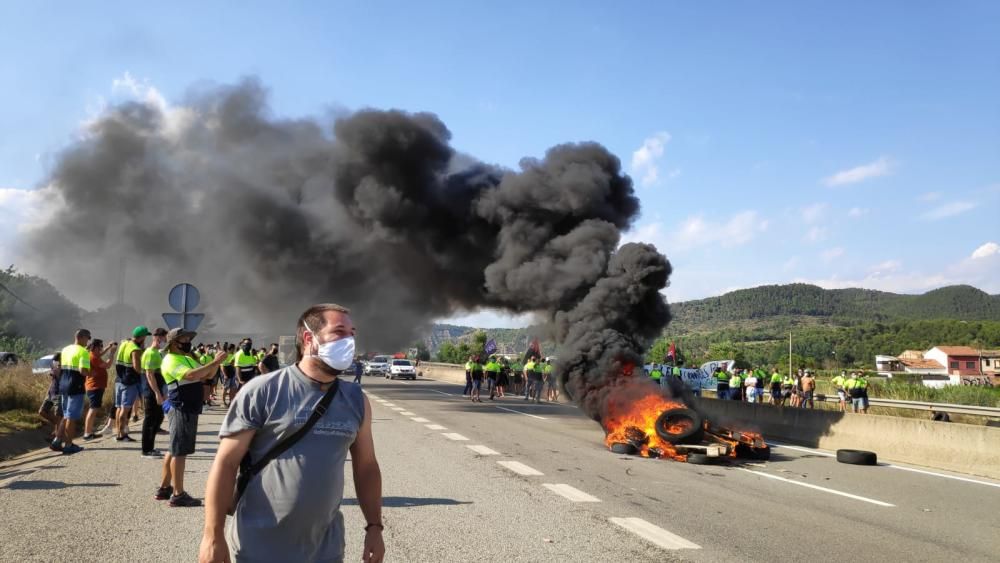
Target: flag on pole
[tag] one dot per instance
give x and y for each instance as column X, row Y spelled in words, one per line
column 491, row 347
column 534, row 349
column 673, row 351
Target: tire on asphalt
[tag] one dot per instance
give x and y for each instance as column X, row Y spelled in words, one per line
column 692, row 432
column 857, row 457
column 701, row 459
column 623, row 448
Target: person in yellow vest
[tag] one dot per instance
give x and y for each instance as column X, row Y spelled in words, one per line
column 551, row 384
column 529, row 376
column 128, row 377
column 492, row 369
column 477, row 379
column 787, row 388
column 722, row 383
column 775, row 387
column 838, row 384
column 857, row 388
column 468, row 378
column 75, row 367
column 656, row 374
column 153, row 395
column 184, row 377
column 736, row 386
column 245, row 361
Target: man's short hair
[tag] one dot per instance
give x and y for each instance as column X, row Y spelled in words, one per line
column 314, row 317
column 82, row 333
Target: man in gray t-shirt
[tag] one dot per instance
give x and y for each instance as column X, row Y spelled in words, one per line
column 291, row 510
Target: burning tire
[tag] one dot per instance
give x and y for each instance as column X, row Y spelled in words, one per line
column 701, row 459
column 623, row 448
column 680, row 426
column 857, row 457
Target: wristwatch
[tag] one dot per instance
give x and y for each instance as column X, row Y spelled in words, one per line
column 379, row 526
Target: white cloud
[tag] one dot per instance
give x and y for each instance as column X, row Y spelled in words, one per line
column 857, row 212
column 815, row 234
column 986, row 250
column 930, row 196
column 645, row 160
column 832, row 254
column 881, row 167
column 738, row 230
column 886, row 267
column 128, row 86
column 815, row 212
column 948, row 210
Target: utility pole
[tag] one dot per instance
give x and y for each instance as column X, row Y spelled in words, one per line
column 789, row 353
column 120, row 301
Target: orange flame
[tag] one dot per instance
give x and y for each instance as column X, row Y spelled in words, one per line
column 623, row 419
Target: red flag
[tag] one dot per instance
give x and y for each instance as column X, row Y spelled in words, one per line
column 673, row 351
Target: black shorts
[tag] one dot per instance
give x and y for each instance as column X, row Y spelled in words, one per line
column 183, row 432
column 96, row 398
column 52, row 402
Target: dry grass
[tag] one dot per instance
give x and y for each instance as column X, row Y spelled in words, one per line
column 21, row 392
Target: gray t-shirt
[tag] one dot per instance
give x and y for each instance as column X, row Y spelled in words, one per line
column 291, row 510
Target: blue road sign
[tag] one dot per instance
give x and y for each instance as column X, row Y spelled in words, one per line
column 184, row 298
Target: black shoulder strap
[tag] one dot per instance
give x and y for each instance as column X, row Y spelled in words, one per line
column 282, row 447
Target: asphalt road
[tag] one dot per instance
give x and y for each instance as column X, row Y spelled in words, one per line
column 512, row 481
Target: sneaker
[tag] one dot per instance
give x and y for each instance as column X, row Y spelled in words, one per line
column 71, row 449
column 153, row 454
column 125, row 438
column 164, row 493
column 161, row 431
column 55, row 446
column 184, row 500
column 89, row 437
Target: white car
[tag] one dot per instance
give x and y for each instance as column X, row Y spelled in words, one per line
column 43, row 365
column 401, row 369
column 379, row 365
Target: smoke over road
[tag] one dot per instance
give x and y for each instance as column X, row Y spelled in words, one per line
column 380, row 213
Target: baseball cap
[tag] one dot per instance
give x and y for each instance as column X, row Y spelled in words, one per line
column 176, row 333
column 140, row 331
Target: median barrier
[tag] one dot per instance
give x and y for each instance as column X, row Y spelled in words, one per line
column 951, row 446
column 448, row 373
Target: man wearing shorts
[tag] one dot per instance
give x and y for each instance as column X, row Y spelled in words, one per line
column 775, row 387
column 808, row 382
column 477, row 379
column 838, row 384
column 75, row 367
column 128, row 371
column 184, row 377
column 96, row 383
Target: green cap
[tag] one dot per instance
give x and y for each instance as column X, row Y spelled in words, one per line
column 140, row 332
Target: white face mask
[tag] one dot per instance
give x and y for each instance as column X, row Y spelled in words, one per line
column 338, row 354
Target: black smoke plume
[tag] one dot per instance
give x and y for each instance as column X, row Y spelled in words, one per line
column 378, row 212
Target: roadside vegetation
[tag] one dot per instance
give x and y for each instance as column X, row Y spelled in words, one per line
column 21, row 392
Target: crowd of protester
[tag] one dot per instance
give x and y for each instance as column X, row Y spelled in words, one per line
column 152, row 376
column 533, row 379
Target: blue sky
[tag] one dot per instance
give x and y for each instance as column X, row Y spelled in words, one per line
column 844, row 144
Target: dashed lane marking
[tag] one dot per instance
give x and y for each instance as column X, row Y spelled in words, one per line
column 419, row 419
column 483, row 450
column 520, row 468
column 389, row 404
column 435, row 427
column 454, row 436
column 439, row 392
column 818, row 488
column 654, row 534
column 398, row 409
column 570, row 493
column 407, row 413
column 524, row 413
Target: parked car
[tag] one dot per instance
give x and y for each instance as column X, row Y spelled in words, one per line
column 42, row 365
column 403, row 369
column 8, row 359
column 379, row 365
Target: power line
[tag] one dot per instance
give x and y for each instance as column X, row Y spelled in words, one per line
column 18, row 297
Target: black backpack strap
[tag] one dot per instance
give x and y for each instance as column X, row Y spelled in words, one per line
column 287, row 443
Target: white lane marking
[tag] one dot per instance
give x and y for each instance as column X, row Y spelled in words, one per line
column 435, row 427
column 524, row 413
column 955, row 477
column 454, row 436
column 419, row 419
column 439, row 392
column 818, row 488
column 571, row 493
column 520, row 468
column 389, row 404
column 407, row 413
column 370, row 396
column 654, row 534
column 483, row 450
column 383, row 401
column 398, row 409
column 894, row 466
